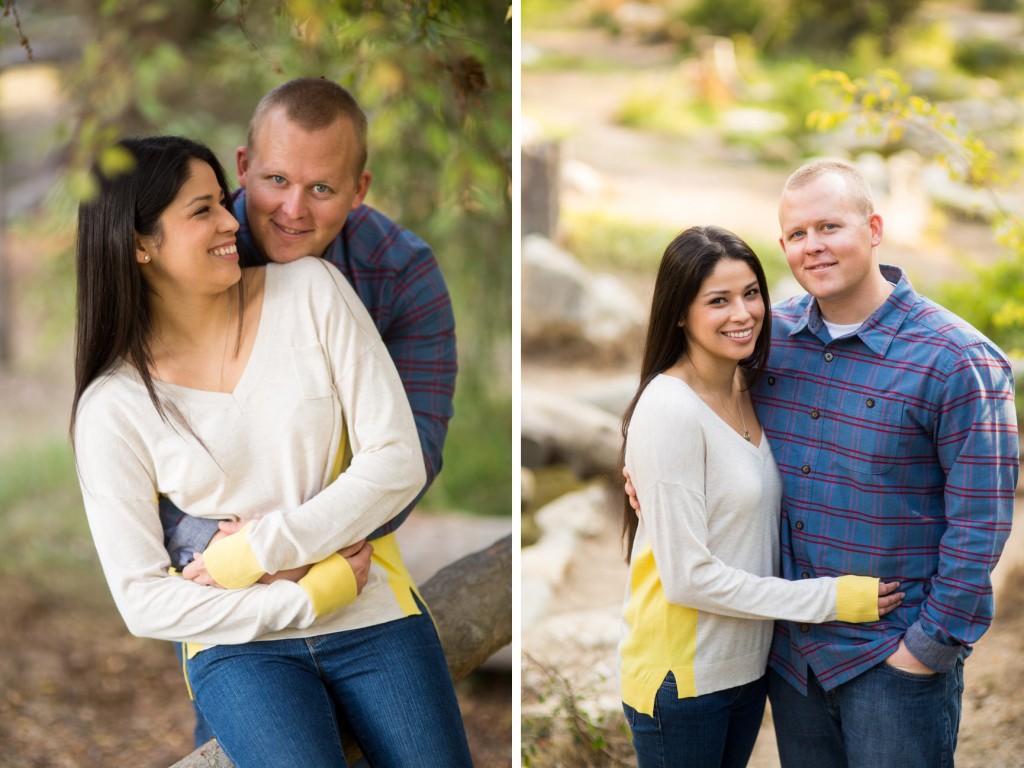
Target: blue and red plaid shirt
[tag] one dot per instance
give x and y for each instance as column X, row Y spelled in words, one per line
column 898, row 450
column 400, row 283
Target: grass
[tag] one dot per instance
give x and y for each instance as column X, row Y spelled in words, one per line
column 44, row 535
column 477, row 472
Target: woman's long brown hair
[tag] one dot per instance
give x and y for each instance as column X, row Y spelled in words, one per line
column 686, row 264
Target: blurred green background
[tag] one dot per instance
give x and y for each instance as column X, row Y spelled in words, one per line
column 435, row 78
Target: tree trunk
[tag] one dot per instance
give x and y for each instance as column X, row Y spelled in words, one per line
column 471, row 602
column 5, row 309
column 540, row 172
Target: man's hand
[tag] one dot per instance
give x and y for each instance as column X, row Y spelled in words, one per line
column 634, row 502
column 905, row 661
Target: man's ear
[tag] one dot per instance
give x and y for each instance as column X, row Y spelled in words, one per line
column 875, row 222
column 362, row 187
column 242, row 164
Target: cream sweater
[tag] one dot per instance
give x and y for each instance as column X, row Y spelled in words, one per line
column 702, row 588
column 319, row 380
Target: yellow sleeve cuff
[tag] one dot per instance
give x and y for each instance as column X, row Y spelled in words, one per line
column 857, row 599
column 330, row 584
column 232, row 562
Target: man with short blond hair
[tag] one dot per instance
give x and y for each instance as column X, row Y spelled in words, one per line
column 893, row 425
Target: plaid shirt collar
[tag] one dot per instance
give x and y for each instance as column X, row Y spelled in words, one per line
column 879, row 330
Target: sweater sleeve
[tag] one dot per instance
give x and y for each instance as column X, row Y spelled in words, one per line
column 386, row 471
column 118, row 490
column 666, row 457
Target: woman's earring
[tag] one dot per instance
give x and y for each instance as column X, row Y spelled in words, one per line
column 680, row 323
column 146, row 258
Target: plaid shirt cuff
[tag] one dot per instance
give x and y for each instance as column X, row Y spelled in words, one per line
column 931, row 653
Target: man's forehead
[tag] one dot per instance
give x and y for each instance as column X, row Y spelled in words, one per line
column 279, row 147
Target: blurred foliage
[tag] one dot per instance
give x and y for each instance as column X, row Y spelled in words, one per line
column 883, row 103
column 805, row 25
column 601, row 241
column 435, row 78
column 988, row 57
column 37, row 481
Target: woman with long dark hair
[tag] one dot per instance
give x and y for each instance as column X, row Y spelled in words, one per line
column 242, row 393
column 704, row 548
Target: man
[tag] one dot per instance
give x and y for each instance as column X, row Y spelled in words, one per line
column 893, row 425
column 303, row 180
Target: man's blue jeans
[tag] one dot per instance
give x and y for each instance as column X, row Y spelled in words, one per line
column 716, row 730
column 281, row 703
column 884, row 717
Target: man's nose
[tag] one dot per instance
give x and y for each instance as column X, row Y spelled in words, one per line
column 294, row 204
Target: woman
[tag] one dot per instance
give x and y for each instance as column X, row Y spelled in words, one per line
column 704, row 549
column 238, row 393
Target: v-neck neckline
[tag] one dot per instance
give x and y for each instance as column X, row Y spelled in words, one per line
column 718, row 419
column 251, row 371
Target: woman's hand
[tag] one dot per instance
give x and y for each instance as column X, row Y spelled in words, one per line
column 358, row 556
column 196, row 571
column 888, row 598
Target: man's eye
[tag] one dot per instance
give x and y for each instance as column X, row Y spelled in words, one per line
column 321, row 189
column 277, row 179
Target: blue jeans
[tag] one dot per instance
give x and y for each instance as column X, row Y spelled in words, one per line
column 283, row 703
column 716, row 730
column 880, row 718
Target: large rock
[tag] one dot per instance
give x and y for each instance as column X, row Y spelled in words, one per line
column 561, row 429
column 564, row 304
column 543, row 566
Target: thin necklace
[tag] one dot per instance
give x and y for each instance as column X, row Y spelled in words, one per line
column 745, row 433
column 223, row 355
